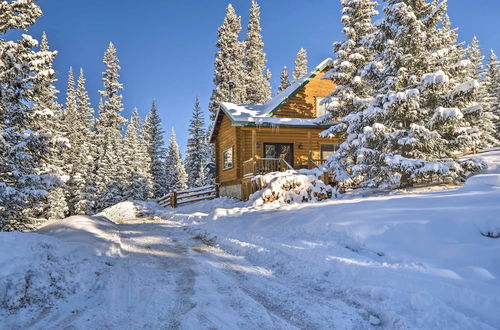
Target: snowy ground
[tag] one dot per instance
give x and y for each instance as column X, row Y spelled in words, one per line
column 418, row 260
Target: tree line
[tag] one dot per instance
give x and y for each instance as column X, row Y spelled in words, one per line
column 57, row 159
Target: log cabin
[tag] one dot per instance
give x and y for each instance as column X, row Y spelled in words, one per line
column 279, row 135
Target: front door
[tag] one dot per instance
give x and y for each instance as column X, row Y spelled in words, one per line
column 279, row 150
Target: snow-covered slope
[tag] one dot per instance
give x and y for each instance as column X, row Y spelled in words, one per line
column 416, row 260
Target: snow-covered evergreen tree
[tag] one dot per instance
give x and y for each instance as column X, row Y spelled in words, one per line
column 80, row 117
column 354, row 89
column 110, row 171
column 492, row 84
column 196, row 156
column 47, row 118
column 258, row 88
column 284, row 80
column 476, row 103
column 176, row 175
column 137, row 182
column 228, row 63
column 155, row 145
column 22, row 149
column 408, row 133
column 300, row 65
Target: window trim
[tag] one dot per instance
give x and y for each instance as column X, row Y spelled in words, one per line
column 231, row 149
column 318, row 99
column 335, row 148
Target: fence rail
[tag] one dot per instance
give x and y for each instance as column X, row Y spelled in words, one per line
column 259, row 166
column 187, row 196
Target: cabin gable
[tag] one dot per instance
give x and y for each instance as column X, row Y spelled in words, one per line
column 303, row 103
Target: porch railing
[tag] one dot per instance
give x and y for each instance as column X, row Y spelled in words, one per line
column 258, row 166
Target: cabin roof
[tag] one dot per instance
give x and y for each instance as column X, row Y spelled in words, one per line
column 261, row 114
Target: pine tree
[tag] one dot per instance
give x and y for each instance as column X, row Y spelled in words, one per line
column 258, row 88
column 408, row 133
column 354, row 90
column 196, row 156
column 284, row 80
column 110, row 169
column 137, row 181
column 153, row 139
column 80, row 117
column 300, row 69
column 352, row 55
column 174, row 167
column 475, row 104
column 228, row 63
column 47, row 119
column 22, row 149
column 492, row 84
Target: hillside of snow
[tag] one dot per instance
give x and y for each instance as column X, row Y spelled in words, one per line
column 421, row 259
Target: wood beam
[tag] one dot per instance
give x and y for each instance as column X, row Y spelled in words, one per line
column 254, row 143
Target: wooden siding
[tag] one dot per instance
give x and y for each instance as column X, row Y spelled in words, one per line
column 303, row 104
column 226, row 138
column 299, row 137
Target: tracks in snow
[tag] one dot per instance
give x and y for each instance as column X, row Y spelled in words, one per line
column 164, row 277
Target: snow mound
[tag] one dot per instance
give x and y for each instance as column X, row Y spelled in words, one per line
column 125, row 211
column 290, row 187
column 37, row 272
column 483, row 180
column 96, row 234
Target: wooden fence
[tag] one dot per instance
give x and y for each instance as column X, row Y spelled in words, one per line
column 181, row 197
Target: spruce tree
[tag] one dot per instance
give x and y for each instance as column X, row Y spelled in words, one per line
column 354, row 89
column 284, row 80
column 475, row 104
column 196, row 156
column 47, row 118
column 228, row 63
column 408, row 133
column 137, row 181
column 81, row 184
column 258, row 88
column 22, row 149
column 110, row 169
column 492, row 84
column 155, row 145
column 300, row 65
column 176, row 175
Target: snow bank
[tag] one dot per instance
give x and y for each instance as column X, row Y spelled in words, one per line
column 37, row 272
column 96, row 234
column 290, row 187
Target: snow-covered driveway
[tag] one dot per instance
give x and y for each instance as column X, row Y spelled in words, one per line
column 159, row 274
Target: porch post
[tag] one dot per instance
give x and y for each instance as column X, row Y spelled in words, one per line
column 309, row 151
column 254, row 143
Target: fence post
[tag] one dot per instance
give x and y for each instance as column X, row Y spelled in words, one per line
column 173, row 199
column 216, row 191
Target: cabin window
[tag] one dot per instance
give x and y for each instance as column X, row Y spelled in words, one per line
column 320, row 108
column 327, row 150
column 227, row 158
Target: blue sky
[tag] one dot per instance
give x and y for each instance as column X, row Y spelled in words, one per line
column 166, row 48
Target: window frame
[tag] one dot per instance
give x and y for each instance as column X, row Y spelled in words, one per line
column 224, row 151
column 318, row 101
column 335, row 148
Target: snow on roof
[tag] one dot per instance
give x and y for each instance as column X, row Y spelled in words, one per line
column 260, row 114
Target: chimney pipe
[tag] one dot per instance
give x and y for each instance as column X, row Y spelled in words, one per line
column 231, row 86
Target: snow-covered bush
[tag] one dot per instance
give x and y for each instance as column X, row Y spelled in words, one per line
column 290, row 187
